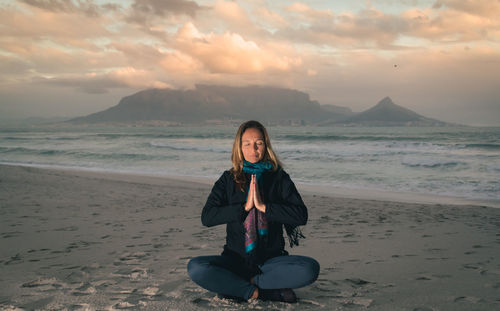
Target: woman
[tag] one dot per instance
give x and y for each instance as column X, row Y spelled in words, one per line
column 255, row 199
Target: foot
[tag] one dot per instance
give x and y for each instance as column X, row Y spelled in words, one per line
column 281, row 294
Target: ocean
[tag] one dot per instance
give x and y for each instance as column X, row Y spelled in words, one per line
column 460, row 164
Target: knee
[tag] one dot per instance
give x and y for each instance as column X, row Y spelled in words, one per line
column 310, row 270
column 196, row 268
column 314, row 269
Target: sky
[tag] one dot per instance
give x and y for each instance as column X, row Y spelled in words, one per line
column 66, row 58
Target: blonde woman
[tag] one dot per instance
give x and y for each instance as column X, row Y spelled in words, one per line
column 255, row 199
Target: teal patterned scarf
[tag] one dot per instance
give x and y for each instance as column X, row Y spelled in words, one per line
column 256, row 222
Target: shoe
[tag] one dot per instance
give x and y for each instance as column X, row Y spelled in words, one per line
column 281, row 294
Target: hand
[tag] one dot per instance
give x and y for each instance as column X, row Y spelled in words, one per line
column 257, row 199
column 250, row 202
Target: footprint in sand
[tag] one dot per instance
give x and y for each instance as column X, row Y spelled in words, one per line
column 354, row 302
column 470, row 266
column 80, row 307
column 12, row 234
column 357, row 282
column 473, row 300
column 69, row 228
column 423, row 278
column 84, row 290
column 17, row 258
column 201, row 302
column 37, row 304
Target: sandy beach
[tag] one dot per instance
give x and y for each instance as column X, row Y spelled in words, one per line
column 74, row 240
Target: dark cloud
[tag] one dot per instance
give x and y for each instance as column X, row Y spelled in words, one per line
column 144, row 9
column 88, row 7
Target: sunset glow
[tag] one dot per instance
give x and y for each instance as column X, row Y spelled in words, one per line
column 68, row 58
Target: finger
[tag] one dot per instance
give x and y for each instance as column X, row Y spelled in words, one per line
column 256, row 195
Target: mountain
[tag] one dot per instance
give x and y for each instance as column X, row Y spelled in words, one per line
column 209, row 102
column 344, row 111
column 387, row 113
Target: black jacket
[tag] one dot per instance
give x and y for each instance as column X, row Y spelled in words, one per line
column 226, row 205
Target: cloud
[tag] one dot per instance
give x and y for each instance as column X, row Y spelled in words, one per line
column 246, row 22
column 100, row 83
column 270, row 18
column 450, row 25
column 308, row 13
column 36, row 24
column 142, row 10
column 482, row 8
column 447, row 21
column 368, row 28
column 88, row 7
column 231, row 53
column 50, row 60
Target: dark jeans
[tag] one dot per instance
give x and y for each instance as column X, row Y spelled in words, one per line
column 217, row 274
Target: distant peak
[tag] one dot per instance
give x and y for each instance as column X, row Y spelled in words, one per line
column 386, row 102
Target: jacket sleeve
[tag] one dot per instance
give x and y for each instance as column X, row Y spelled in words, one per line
column 217, row 210
column 290, row 209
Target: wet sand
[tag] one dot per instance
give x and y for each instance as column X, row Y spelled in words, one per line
column 73, row 240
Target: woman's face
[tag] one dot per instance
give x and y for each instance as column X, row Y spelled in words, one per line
column 252, row 145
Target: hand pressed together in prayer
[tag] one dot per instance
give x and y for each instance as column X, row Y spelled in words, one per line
column 254, row 198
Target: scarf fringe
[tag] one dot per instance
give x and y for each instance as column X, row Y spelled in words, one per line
column 294, row 233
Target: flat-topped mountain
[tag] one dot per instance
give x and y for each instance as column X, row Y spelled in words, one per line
column 207, row 102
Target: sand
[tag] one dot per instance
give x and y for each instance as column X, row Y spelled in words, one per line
column 74, row 240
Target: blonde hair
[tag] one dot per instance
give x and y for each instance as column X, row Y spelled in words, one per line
column 237, row 154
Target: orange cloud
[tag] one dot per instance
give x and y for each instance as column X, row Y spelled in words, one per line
column 36, row 23
column 268, row 17
column 483, row 8
column 231, row 53
column 135, row 78
column 449, row 25
column 309, row 13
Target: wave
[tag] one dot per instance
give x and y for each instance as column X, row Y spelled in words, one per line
column 30, row 151
column 87, row 155
column 434, row 163
column 167, row 136
column 177, row 147
column 353, row 138
column 483, row 146
column 16, row 138
column 63, row 138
